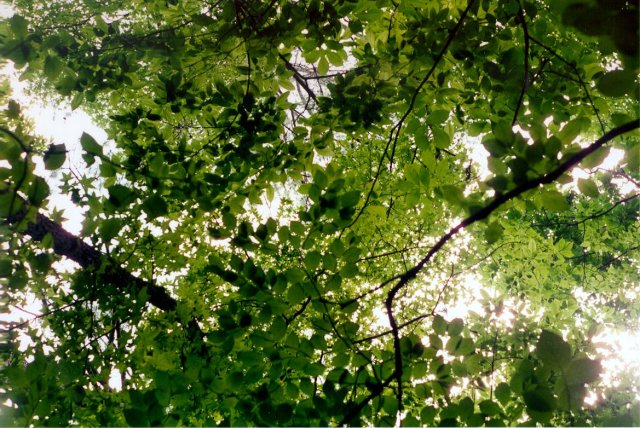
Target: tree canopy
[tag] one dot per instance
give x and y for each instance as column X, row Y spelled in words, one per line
column 293, row 201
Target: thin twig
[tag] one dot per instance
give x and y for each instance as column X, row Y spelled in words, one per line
column 298, row 77
column 525, row 80
column 394, row 134
column 580, row 80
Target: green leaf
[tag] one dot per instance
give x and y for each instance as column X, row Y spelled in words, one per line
column 55, row 156
column 439, row 325
column 633, row 157
column 19, row 26
column 588, row 187
column 437, row 117
column 38, row 191
column 350, row 199
column 314, row 369
column 490, row 408
column 410, row 421
column 52, row 67
column 596, row 158
column 466, row 347
column 90, row 145
column 455, row 327
column 540, row 400
column 76, row 101
column 18, row 280
column 493, row 232
column 120, row 196
column 465, row 408
column 323, row 66
column 295, row 294
column 572, row 129
column 136, row 417
column 441, row 139
column 110, row 228
column 503, row 393
column 618, row 83
column 554, row 201
column 582, row 371
column 312, row 260
column 5, row 267
column 428, row 414
column 278, row 328
column 155, row 206
column 552, row 350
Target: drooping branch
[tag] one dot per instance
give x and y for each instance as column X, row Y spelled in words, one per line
column 501, row 199
column 482, row 214
column 72, row 247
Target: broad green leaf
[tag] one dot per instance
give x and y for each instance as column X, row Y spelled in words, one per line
column 441, row 139
column 295, row 294
column 427, row 414
column 278, row 328
column 439, row 325
column 90, row 145
column 552, row 350
column 540, row 400
column 155, row 206
column 493, row 232
column 573, row 129
column 466, row 346
column 136, row 417
column 633, row 157
column 19, row 26
column 596, row 158
column 503, row 393
column 489, row 408
column 554, row 201
column 455, row 327
column 110, row 228
column 350, row 199
column 617, row 83
column 120, row 196
column 312, row 260
column 437, row 117
column 465, row 408
column 583, row 371
column 323, row 66
column 588, row 187
column 52, row 67
column 38, row 191
column 55, row 156
column 5, row 267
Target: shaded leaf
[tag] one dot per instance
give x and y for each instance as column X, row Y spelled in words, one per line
column 553, row 350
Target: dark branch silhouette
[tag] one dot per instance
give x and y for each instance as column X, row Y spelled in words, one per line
column 72, row 247
column 481, row 214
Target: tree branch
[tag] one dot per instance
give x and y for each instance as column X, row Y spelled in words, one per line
column 501, row 199
column 72, row 247
column 395, row 130
column 481, row 214
column 296, row 75
column 525, row 82
column 575, row 70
